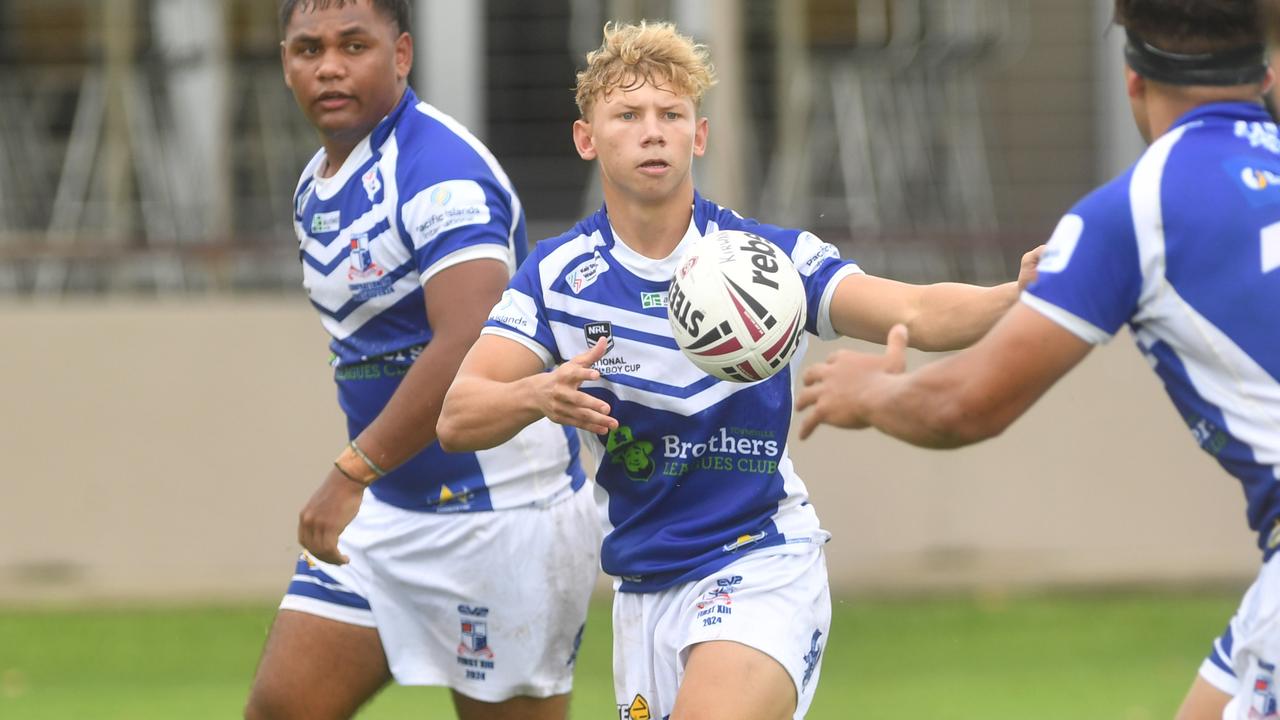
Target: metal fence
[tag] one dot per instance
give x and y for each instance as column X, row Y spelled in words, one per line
column 160, row 154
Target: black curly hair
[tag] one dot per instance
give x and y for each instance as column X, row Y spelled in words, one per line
column 1194, row 26
column 397, row 10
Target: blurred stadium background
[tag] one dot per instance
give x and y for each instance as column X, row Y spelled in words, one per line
column 167, row 404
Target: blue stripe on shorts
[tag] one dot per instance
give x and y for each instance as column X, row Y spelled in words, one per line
column 1221, row 653
column 315, row 583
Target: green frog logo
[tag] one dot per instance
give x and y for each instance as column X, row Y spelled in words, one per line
column 623, row 449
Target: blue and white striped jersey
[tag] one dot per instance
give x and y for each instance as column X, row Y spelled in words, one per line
column 1185, row 248
column 697, row 471
column 417, row 196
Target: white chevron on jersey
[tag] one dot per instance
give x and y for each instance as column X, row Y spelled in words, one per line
column 698, row 469
column 418, row 195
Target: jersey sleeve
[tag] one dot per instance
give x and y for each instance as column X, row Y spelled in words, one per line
column 1089, row 279
column 521, row 314
column 455, row 220
column 821, row 269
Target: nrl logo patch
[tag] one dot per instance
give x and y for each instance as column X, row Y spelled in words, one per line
column 596, row 330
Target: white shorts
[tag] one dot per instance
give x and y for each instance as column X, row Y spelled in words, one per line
column 774, row 600
column 491, row 604
column 1244, row 659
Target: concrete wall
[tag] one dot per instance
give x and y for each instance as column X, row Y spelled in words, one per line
column 161, row 450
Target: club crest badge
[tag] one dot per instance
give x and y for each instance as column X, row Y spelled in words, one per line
column 474, row 654
column 372, row 181
column 362, row 265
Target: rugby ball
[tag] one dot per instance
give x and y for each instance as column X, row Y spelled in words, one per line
column 736, row 306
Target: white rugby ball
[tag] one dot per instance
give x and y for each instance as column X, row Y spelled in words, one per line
column 736, row 306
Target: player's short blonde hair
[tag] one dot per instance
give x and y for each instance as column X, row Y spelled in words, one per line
column 649, row 53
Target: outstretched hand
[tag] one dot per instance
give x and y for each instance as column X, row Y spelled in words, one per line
column 329, row 511
column 561, row 401
column 833, row 390
column 1027, row 272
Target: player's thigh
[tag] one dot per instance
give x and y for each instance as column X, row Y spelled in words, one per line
column 725, row 679
column 1203, row 702
column 316, row 668
column 555, row 707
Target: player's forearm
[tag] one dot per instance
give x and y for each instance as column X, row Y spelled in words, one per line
column 480, row 413
column 935, row 407
column 407, row 423
column 954, row 315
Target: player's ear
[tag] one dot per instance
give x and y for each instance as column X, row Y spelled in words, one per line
column 284, row 66
column 1134, row 83
column 700, row 130
column 404, row 55
column 583, row 141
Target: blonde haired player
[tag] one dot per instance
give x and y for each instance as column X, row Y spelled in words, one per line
column 722, row 608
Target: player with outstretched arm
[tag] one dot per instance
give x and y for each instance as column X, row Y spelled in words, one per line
column 1184, row 248
column 722, row 607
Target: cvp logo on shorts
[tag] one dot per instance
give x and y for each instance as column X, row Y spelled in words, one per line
column 722, row 593
column 474, row 652
column 716, row 603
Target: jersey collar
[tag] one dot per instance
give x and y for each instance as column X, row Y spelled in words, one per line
column 1238, row 110
column 646, row 267
column 328, row 187
column 384, row 128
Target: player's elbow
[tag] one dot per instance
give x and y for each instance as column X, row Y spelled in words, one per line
column 957, row 421
column 932, row 336
column 450, row 433
column 450, row 430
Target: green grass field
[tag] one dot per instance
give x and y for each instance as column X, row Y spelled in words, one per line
column 1127, row 656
